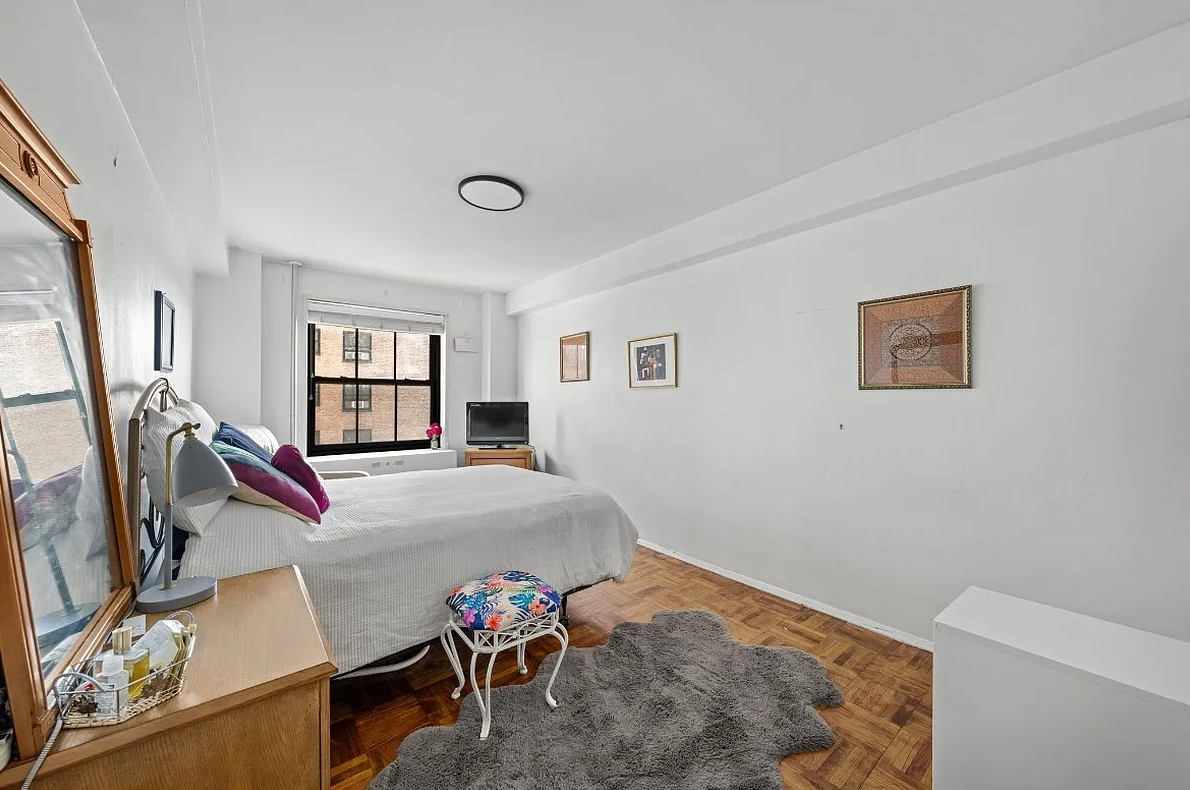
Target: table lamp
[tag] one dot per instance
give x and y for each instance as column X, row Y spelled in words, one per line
column 197, row 477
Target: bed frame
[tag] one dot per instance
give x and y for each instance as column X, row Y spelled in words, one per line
column 161, row 394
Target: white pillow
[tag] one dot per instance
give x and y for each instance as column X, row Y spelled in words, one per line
column 262, row 436
column 159, row 425
column 90, row 509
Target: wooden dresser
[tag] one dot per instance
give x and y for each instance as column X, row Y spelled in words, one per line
column 254, row 711
column 512, row 456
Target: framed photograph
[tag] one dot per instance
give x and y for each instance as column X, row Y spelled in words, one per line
column 572, row 357
column 653, row 362
column 919, row 341
column 163, row 345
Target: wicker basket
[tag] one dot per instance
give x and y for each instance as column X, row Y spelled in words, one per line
column 76, row 688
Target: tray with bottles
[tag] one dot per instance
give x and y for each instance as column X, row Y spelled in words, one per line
column 151, row 670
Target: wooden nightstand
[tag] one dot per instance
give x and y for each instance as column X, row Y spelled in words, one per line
column 254, row 711
column 513, row 456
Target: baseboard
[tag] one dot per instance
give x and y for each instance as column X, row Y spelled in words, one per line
column 818, row 606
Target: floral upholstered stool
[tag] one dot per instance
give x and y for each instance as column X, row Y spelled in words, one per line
column 496, row 613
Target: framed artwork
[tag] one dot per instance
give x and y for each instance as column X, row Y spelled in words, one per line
column 918, row 341
column 653, row 362
column 163, row 343
column 572, row 357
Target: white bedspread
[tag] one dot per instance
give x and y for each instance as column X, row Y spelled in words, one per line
column 392, row 547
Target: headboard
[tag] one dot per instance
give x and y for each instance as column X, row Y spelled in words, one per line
column 161, row 394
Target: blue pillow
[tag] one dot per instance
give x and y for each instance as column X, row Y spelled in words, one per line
column 238, row 455
column 231, row 435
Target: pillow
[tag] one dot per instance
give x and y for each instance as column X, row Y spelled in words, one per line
column 261, row 484
column 229, row 434
column 158, row 425
column 262, row 436
column 290, row 460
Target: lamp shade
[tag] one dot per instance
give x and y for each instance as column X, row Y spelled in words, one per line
column 200, row 475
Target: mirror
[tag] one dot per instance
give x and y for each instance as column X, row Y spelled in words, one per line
column 51, row 435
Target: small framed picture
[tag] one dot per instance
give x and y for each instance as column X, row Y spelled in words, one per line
column 918, row 341
column 653, row 362
column 572, row 357
column 163, row 344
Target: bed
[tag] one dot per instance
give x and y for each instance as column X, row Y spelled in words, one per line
column 392, row 547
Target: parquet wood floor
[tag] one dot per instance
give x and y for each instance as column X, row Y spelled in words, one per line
column 882, row 732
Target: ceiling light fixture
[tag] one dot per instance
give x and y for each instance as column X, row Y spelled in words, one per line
column 491, row 193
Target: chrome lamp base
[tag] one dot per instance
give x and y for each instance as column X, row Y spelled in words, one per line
column 185, row 591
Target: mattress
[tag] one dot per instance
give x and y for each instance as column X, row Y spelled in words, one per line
column 392, row 547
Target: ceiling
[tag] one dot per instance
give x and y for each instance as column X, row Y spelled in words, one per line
column 343, row 127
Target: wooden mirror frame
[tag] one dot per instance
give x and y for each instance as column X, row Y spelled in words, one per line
column 31, row 165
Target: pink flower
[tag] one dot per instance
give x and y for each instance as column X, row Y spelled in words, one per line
column 434, row 430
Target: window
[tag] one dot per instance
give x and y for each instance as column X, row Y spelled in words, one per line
column 357, row 346
column 357, row 397
column 381, row 394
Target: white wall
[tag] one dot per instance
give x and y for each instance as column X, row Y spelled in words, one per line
column 498, row 354
column 461, row 371
column 227, row 323
column 1061, row 477
column 137, row 248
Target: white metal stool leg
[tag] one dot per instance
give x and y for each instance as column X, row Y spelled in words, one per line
column 452, row 653
column 491, row 643
column 487, row 701
column 483, row 709
column 564, row 637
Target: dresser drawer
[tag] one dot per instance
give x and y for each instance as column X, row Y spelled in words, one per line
column 521, row 457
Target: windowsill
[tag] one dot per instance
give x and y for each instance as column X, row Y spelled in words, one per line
column 314, row 460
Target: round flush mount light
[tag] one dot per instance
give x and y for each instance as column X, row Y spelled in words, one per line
column 491, row 193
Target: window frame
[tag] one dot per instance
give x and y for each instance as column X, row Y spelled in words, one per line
column 352, row 353
column 356, row 400
column 434, row 384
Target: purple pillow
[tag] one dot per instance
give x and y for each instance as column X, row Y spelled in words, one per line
column 290, row 460
column 264, row 485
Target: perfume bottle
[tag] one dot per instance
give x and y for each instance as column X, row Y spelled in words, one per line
column 136, row 660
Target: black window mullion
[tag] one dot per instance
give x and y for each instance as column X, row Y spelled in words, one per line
column 396, row 390
column 310, row 388
column 435, row 378
column 356, row 401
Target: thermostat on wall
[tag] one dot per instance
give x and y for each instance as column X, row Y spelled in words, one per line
column 468, row 345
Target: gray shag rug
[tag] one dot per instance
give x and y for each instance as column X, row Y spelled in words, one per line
column 675, row 704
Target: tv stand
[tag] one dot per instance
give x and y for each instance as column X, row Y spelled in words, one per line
column 507, row 456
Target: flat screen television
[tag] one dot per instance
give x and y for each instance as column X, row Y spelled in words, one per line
column 498, row 423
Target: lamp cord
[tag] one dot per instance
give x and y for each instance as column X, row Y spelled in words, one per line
column 49, row 743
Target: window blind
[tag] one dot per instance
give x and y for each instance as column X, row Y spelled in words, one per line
column 382, row 319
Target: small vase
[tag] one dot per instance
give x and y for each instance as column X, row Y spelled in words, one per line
column 434, row 442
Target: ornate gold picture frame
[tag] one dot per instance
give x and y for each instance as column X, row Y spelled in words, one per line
column 917, row 341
